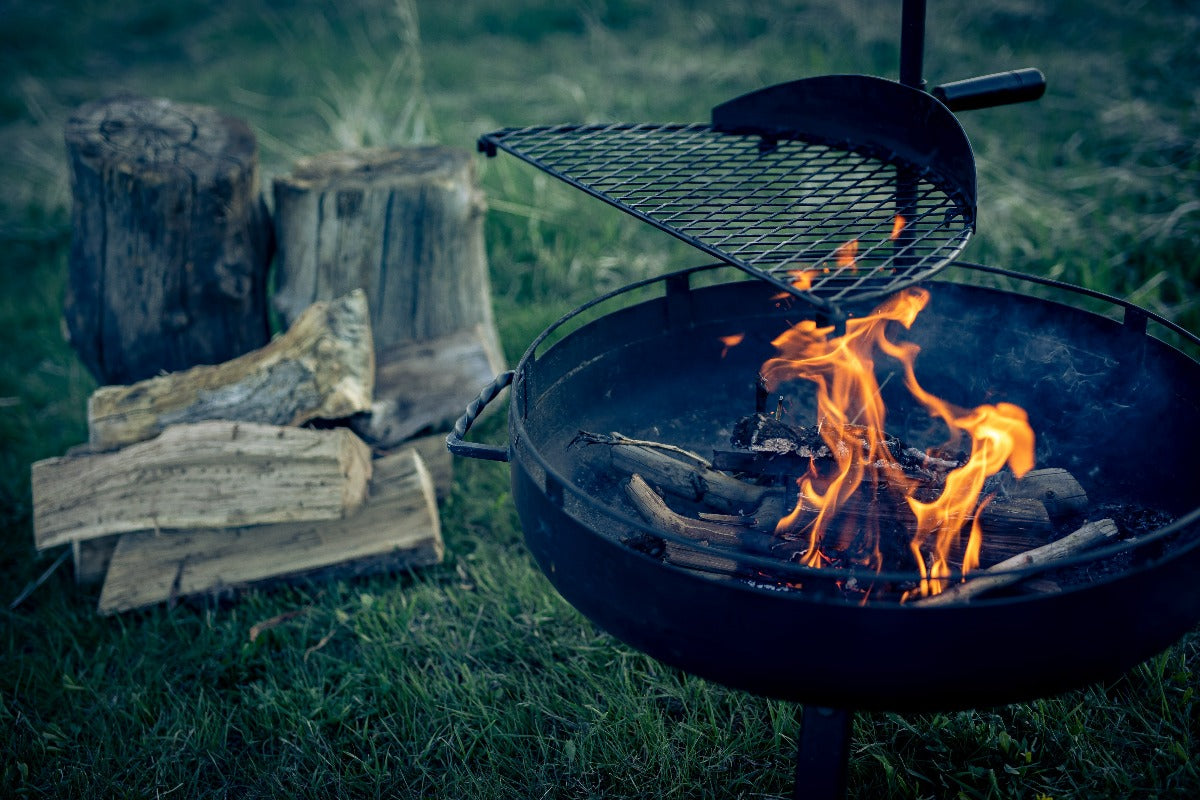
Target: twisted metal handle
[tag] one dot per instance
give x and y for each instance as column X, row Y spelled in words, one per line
column 486, row 452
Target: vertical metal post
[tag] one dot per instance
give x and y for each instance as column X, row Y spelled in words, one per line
column 822, row 753
column 912, row 66
column 912, row 44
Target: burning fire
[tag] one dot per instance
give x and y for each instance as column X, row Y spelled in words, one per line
column 851, row 414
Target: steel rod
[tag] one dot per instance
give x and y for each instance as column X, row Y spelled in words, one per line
column 822, row 753
column 912, row 44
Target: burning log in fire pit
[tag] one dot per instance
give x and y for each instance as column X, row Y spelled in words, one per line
column 735, row 518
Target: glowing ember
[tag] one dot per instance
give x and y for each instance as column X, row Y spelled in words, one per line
column 730, row 341
column 802, row 278
column 847, row 254
column 898, row 227
column 851, row 415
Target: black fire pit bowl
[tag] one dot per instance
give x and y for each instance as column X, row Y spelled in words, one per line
column 1112, row 404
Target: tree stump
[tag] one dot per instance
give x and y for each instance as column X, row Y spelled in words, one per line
column 406, row 226
column 171, row 238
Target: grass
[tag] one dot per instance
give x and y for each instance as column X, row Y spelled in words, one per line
column 474, row 679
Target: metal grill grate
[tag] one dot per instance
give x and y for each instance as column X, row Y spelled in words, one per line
column 817, row 220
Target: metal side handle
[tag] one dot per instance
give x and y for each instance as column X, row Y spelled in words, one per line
column 1002, row 88
column 486, row 452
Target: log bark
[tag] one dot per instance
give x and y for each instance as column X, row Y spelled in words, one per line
column 396, row 529
column 202, row 475
column 1090, row 535
column 424, row 386
column 405, row 225
column 322, row 368
column 170, row 240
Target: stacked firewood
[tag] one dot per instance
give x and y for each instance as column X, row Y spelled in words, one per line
column 219, row 457
column 217, row 477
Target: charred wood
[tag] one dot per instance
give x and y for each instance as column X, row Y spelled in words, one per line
column 761, row 433
column 1003, row 574
column 679, row 472
column 1054, row 487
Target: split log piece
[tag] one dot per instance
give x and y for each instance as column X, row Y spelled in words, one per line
column 396, row 529
column 404, row 224
column 201, row 475
column 170, row 239
column 322, row 368
column 1090, row 535
column 92, row 556
column 424, row 386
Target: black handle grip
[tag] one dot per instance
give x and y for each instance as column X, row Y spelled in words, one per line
column 487, row 452
column 1003, row 88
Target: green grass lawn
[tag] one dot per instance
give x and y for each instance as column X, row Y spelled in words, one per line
column 474, row 679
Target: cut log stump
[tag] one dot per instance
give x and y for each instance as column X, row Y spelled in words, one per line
column 171, row 239
column 201, row 475
column 397, row 528
column 322, row 368
column 406, row 226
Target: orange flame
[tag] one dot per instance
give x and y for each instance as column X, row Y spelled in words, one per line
column 851, row 415
column 802, row 278
column 898, row 227
column 847, row 254
column 730, row 341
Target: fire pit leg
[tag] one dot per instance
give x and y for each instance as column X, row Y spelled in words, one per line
column 822, row 753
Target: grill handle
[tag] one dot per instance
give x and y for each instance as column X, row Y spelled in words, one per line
column 1002, row 88
column 485, row 452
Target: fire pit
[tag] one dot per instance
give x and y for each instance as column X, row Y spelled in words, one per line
column 830, row 617
column 1097, row 391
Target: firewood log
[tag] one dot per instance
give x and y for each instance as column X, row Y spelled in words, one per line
column 397, row 528
column 170, row 240
column 322, row 368
column 201, row 475
column 92, row 556
column 403, row 224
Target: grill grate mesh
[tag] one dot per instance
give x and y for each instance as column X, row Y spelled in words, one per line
column 815, row 219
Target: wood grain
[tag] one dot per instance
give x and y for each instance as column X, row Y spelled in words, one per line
column 397, row 528
column 201, row 475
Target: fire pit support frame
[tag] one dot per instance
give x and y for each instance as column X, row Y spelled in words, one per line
column 822, row 753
